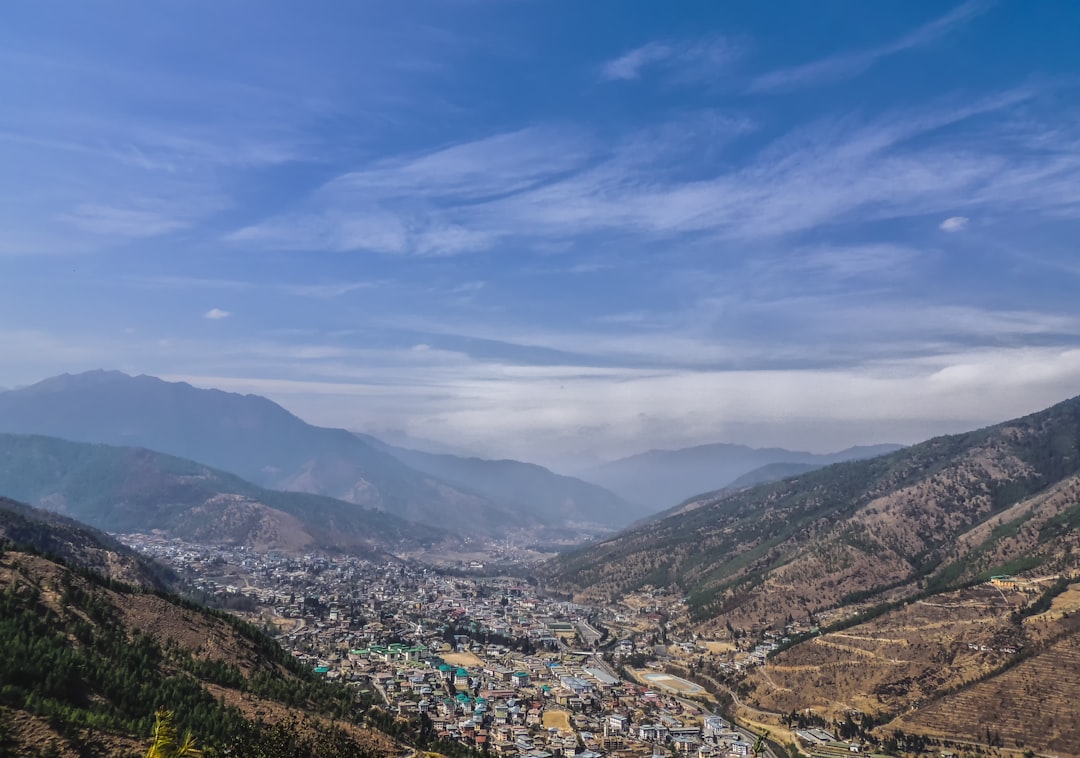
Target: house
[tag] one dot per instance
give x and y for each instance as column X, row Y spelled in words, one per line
column 1004, row 581
column 652, row 733
column 740, row 747
column 576, row 684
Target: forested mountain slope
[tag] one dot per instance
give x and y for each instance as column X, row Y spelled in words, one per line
column 79, row 544
column 85, row 663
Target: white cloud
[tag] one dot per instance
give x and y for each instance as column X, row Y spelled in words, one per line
column 685, row 60
column 904, row 372
column 847, row 65
column 546, row 186
column 954, row 224
column 123, row 222
column 215, row 314
column 544, row 412
column 629, row 65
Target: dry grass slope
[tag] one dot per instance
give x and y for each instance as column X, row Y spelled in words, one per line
column 894, row 662
column 1031, row 705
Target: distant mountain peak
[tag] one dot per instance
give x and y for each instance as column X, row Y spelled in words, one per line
column 256, row 439
column 90, row 378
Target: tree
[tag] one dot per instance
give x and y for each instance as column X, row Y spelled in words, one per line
column 165, row 744
column 759, row 744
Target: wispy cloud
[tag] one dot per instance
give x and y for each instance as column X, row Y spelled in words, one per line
column 324, row 291
column 847, row 65
column 629, row 65
column 216, row 314
column 404, row 205
column 954, row 224
column 843, row 264
column 320, row 290
column 545, row 186
column 123, row 222
column 185, row 282
column 688, row 59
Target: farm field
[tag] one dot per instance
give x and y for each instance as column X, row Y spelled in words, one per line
column 557, row 720
column 952, row 665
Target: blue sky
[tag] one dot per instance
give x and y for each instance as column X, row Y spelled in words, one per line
column 560, row 231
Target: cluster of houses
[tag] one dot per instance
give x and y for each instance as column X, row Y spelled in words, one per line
column 492, row 663
column 538, row 706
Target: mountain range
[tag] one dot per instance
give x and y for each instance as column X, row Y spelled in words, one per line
column 259, row 441
column 662, row 478
column 124, row 489
column 924, row 518
column 932, row 593
column 534, row 489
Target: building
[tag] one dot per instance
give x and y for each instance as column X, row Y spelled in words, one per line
column 1004, row 581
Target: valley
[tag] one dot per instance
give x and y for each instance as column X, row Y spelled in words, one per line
column 897, row 672
column 889, row 604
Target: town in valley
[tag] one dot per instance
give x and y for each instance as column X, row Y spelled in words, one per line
column 491, row 661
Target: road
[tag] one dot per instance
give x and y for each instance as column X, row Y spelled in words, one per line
column 588, row 633
column 748, row 734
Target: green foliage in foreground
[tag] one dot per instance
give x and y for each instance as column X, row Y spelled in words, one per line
column 83, row 672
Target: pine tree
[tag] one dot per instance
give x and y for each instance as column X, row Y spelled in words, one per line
column 165, row 744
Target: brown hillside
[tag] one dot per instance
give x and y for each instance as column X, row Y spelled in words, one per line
column 1033, row 705
column 935, row 515
column 897, row 661
column 945, row 667
column 227, row 675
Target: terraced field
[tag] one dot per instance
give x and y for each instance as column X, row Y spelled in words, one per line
column 1031, row 705
column 896, row 661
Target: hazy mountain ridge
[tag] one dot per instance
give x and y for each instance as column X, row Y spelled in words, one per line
column 552, row 498
column 123, row 489
column 662, row 478
column 246, row 435
column 772, row 472
column 1002, row 498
